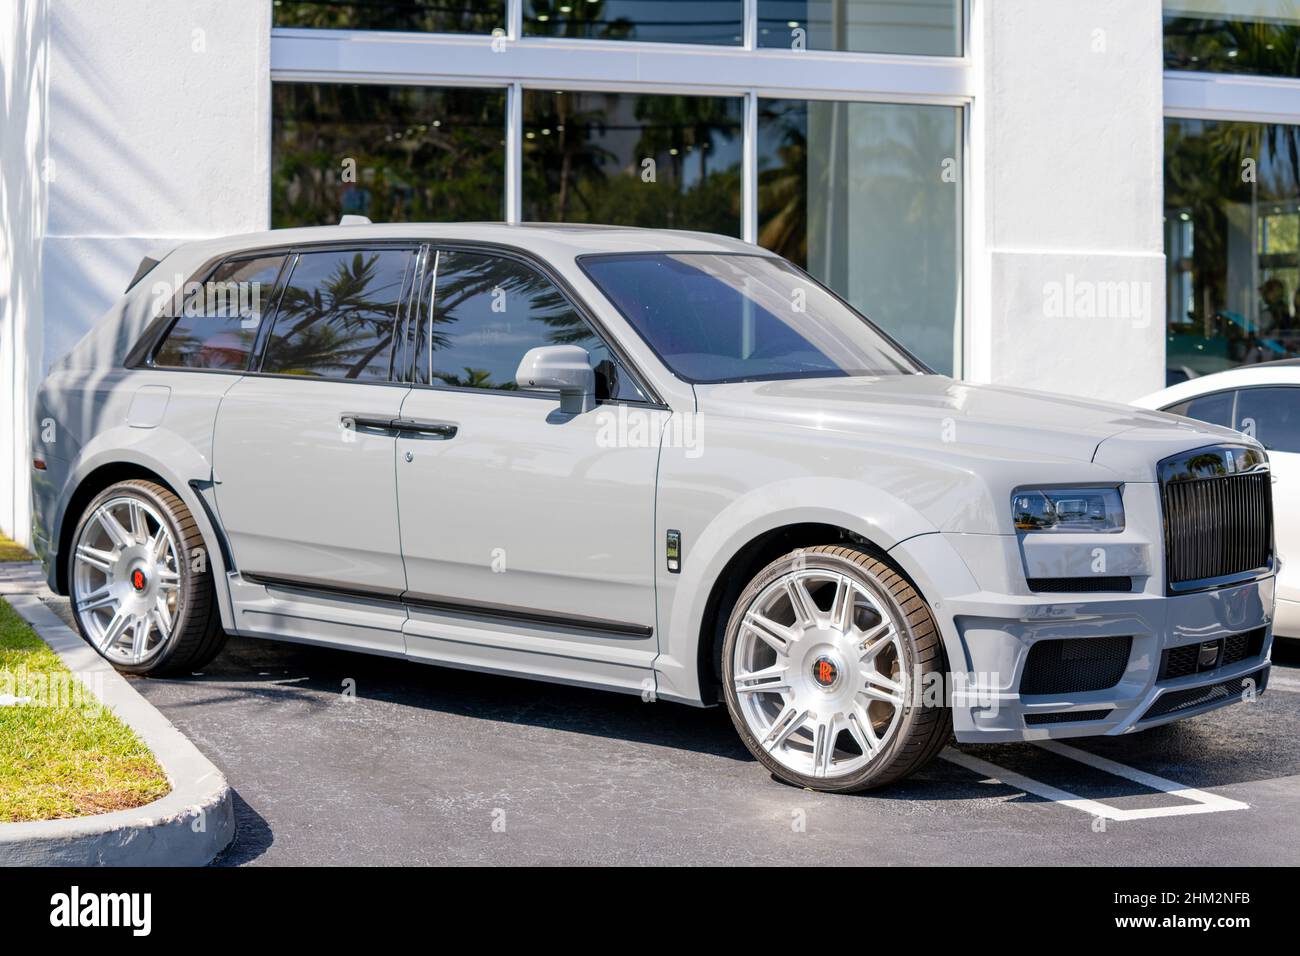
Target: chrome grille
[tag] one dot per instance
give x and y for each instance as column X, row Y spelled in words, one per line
column 1218, row 516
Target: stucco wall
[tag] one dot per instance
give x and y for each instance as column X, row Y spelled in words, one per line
column 1069, row 273
column 24, row 34
column 156, row 116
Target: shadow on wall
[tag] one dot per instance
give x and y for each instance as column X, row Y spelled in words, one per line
column 24, row 49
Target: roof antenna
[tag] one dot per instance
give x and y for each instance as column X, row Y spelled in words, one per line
column 351, row 220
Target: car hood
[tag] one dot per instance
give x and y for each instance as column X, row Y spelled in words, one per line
column 979, row 420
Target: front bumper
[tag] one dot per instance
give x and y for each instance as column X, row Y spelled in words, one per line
column 990, row 634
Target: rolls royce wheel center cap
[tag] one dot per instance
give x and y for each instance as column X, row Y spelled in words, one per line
column 825, row 672
column 138, row 580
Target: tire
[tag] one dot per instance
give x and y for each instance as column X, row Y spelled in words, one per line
column 151, row 571
column 786, row 705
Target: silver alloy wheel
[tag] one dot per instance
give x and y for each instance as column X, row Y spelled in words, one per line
column 819, row 672
column 126, row 585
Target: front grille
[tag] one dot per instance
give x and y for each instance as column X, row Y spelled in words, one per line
column 1065, row 717
column 1075, row 664
column 1185, row 660
column 1218, row 515
column 1193, row 697
column 1092, row 583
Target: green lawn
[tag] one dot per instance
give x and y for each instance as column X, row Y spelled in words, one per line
column 63, row 754
column 12, row 550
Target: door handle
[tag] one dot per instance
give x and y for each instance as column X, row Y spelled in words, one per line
column 365, row 420
column 416, row 426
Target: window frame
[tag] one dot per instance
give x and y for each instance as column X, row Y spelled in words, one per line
column 144, row 353
column 399, row 323
column 575, row 301
column 922, row 367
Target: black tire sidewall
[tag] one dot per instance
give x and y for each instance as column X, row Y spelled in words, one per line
column 189, row 580
column 881, row 765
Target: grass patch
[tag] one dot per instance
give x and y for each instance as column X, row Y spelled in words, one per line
column 11, row 550
column 64, row 754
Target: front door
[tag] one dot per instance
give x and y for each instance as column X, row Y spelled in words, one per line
column 527, row 533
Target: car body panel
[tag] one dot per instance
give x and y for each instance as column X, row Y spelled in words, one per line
column 918, row 467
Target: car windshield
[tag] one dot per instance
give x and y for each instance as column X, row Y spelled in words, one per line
column 740, row 318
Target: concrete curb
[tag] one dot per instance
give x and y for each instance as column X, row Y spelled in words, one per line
column 188, row 827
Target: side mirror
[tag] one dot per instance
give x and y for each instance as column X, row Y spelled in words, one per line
column 560, row 368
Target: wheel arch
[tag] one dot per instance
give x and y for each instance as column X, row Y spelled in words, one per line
column 749, row 533
column 97, row 473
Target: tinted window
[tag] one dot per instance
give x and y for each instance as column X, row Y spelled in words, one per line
column 1233, row 36
column 218, row 325
column 487, row 312
column 1271, row 415
column 729, row 318
column 927, row 27
column 633, row 159
column 393, row 153
column 1215, row 409
column 660, row 21
column 435, row 16
column 338, row 314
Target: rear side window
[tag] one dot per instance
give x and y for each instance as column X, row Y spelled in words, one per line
column 218, row 325
column 338, row 315
column 1215, row 409
column 1271, row 415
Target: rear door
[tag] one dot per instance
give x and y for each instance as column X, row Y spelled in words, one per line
column 303, row 455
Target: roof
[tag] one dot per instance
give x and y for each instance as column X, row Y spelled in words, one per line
column 545, row 239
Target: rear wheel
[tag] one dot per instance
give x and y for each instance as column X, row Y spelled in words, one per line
column 141, row 588
column 829, row 664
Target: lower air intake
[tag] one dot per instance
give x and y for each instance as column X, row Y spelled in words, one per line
column 1072, row 665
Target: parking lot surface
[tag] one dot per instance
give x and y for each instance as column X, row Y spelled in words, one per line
column 342, row 758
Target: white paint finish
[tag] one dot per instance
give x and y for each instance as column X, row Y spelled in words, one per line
column 1068, row 112
column 24, row 78
column 1226, row 96
column 154, row 133
column 553, row 63
column 159, row 126
column 1084, row 323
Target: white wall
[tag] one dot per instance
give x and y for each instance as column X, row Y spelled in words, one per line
column 1068, row 134
column 24, row 32
column 157, row 118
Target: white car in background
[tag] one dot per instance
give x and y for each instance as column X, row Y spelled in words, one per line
column 1264, row 402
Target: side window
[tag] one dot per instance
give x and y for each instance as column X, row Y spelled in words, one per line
column 487, row 311
column 1215, row 409
column 1271, row 415
column 218, row 325
column 338, row 314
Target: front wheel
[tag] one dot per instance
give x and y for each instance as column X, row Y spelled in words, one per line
column 141, row 587
column 833, row 671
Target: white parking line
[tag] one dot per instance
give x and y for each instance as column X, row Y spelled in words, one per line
column 1198, row 801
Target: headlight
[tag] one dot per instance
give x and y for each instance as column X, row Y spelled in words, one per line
column 1068, row 509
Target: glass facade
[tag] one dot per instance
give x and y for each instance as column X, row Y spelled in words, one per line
column 393, row 153
column 633, row 159
column 1232, row 244
column 719, row 22
column 867, row 197
column 1233, row 36
column 919, row 27
column 423, row 16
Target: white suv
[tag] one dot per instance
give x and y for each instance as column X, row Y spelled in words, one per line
column 664, row 463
